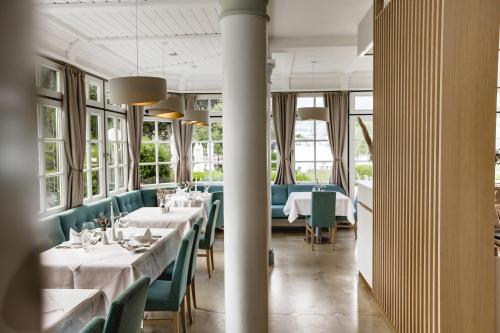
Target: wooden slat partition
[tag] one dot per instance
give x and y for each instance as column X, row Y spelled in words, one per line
column 435, row 67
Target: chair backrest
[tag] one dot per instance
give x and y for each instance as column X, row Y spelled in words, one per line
column 323, row 209
column 181, row 268
column 126, row 312
column 96, row 325
column 211, row 222
column 220, row 216
column 194, row 251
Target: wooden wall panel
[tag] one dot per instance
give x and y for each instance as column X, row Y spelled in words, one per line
column 435, row 65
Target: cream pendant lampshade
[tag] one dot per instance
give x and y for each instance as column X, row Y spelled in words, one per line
column 170, row 108
column 196, row 117
column 137, row 90
column 313, row 112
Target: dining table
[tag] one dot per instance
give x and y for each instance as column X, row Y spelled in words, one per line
column 69, row 310
column 110, row 268
column 181, row 218
column 300, row 204
column 194, row 199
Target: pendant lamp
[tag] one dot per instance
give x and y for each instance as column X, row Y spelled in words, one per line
column 137, row 90
column 170, row 108
column 195, row 117
column 313, row 112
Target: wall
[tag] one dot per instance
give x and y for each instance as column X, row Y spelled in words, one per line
column 434, row 120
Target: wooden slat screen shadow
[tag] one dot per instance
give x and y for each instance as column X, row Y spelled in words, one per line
column 435, row 73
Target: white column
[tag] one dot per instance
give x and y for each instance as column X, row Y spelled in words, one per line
column 246, row 185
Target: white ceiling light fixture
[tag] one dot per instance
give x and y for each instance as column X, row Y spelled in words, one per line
column 137, row 90
column 193, row 116
column 313, row 112
column 170, row 108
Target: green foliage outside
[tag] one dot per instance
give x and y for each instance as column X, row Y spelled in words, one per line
column 148, row 153
column 364, row 171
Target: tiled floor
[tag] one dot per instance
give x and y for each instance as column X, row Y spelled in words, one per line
column 309, row 291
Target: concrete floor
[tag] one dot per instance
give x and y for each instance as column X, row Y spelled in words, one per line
column 309, row 291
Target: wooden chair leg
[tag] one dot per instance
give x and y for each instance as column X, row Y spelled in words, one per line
column 188, row 298
column 193, row 293
column 313, row 238
column 307, row 241
column 356, row 230
column 334, row 237
column 212, row 257
column 207, row 253
column 183, row 315
column 175, row 322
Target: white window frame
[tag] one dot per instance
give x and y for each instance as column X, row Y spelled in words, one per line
column 156, row 141
column 353, row 114
column 314, row 142
column 116, row 142
column 112, row 107
column 41, row 140
column 100, row 168
column 92, row 80
column 40, row 63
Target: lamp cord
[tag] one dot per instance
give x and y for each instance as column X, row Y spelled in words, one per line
column 137, row 34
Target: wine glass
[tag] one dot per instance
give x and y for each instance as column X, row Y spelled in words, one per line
column 205, row 188
column 123, row 221
column 87, row 229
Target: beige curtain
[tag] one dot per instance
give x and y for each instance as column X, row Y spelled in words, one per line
column 284, row 110
column 338, row 107
column 183, row 135
column 74, row 132
column 135, row 119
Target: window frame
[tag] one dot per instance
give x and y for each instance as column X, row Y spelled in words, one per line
column 59, row 140
column 314, row 142
column 89, row 80
column 124, row 143
column 157, row 163
column 89, row 169
column 39, row 64
column 353, row 114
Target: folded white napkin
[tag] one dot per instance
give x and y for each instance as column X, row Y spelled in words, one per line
column 75, row 237
column 146, row 238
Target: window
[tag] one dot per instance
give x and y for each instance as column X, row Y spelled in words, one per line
column 207, row 146
column 117, row 154
column 274, row 153
column 93, row 170
column 360, row 163
column 313, row 156
column 158, row 156
column 93, row 91
column 52, row 180
column 49, row 81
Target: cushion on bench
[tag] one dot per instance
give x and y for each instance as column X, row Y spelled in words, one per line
column 130, row 201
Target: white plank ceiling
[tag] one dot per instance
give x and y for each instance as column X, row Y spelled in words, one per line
column 100, row 37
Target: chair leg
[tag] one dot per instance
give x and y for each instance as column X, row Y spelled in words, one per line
column 356, row 230
column 313, row 238
column 334, row 237
column 175, row 322
column 307, row 241
column 212, row 257
column 183, row 315
column 188, row 298
column 193, row 292
column 207, row 253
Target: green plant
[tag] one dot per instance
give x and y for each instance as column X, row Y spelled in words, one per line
column 363, row 171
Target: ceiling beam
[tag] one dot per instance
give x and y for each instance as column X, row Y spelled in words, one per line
column 286, row 44
column 160, row 38
column 125, row 5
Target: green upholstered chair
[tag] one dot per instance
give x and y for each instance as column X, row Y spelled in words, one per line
column 126, row 311
column 207, row 238
column 219, row 195
column 96, row 325
column 169, row 296
column 167, row 274
column 322, row 215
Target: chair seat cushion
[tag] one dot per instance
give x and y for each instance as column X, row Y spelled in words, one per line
column 168, row 272
column 277, row 212
column 204, row 242
column 159, row 297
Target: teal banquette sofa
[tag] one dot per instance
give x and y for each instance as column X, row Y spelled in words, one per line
column 55, row 229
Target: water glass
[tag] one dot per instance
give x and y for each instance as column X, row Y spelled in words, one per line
column 131, row 232
column 86, row 234
column 123, row 221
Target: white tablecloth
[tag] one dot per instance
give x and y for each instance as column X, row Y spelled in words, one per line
column 178, row 217
column 300, row 203
column 69, row 310
column 109, row 268
column 199, row 200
